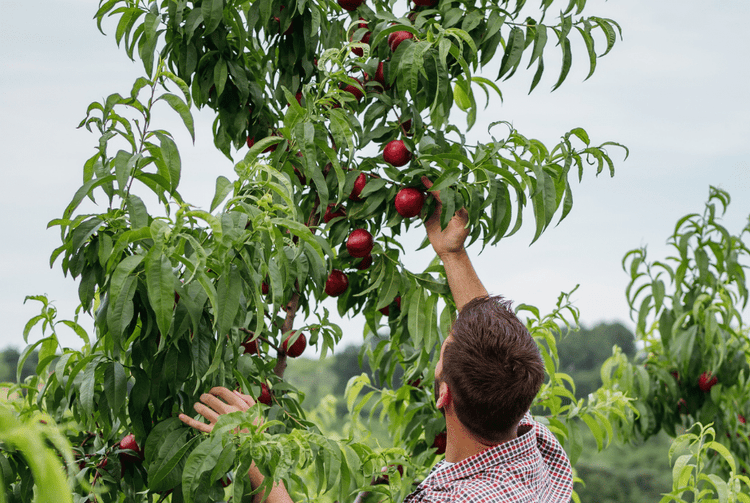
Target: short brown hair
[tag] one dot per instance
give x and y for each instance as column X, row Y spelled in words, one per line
column 493, row 368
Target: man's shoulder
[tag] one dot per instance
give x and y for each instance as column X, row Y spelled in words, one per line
column 488, row 488
column 530, row 468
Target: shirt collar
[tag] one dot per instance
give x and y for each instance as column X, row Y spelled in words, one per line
column 518, row 448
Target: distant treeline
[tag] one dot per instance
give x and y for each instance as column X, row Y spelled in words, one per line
column 9, row 362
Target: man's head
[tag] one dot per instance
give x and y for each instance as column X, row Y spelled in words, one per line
column 492, row 368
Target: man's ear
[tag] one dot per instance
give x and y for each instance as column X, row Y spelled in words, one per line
column 445, row 398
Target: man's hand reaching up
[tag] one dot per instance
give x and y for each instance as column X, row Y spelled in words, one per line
column 448, row 243
column 451, row 239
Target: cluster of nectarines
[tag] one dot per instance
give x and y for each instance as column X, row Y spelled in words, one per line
column 408, row 202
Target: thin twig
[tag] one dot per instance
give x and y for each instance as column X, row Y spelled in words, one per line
column 260, row 337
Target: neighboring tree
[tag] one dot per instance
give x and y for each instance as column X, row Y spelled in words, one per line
column 185, row 299
column 688, row 309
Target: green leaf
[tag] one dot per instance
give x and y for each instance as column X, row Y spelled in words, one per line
column 223, row 188
column 137, row 210
column 353, row 387
column 567, row 59
column 537, row 75
column 213, row 13
column 180, row 83
column 460, row 96
column 86, row 390
column 224, row 463
column 103, row 9
column 417, row 320
column 25, row 355
column 462, row 37
column 389, row 289
column 228, row 296
column 124, row 269
column 430, row 335
column 487, row 82
column 595, row 430
column 160, row 287
column 609, row 32
column 198, row 467
column 120, row 310
column 543, row 200
column 115, row 386
column 447, row 179
column 724, row 452
column 589, row 41
column 658, row 292
column 83, row 232
column 181, row 108
column 166, row 451
column 513, row 51
column 85, row 190
column 412, row 63
column 540, row 40
column 78, row 329
column 171, row 157
column 220, row 76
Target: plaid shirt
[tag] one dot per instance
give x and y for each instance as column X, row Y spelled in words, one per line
column 532, row 468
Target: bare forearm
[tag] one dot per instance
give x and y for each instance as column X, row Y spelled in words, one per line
column 463, row 281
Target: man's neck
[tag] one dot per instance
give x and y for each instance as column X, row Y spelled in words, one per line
column 462, row 444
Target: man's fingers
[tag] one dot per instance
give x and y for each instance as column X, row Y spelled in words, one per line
column 206, row 412
column 198, row 425
column 438, row 207
column 428, row 184
column 245, row 398
column 230, row 398
column 219, row 406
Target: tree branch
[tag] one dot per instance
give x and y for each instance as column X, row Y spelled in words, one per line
column 291, row 310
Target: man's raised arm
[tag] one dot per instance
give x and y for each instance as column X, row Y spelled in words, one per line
column 448, row 243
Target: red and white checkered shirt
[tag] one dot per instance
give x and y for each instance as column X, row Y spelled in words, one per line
column 530, row 468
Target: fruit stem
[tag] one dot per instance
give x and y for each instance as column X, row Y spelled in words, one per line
column 89, row 436
column 291, row 310
column 260, row 337
column 272, row 320
column 312, row 220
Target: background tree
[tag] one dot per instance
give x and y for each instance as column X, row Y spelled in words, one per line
column 696, row 363
column 186, row 299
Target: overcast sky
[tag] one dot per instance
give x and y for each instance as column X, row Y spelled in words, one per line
column 675, row 91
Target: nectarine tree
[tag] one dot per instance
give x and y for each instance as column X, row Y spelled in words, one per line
column 688, row 313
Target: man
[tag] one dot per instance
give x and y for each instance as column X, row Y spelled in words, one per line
column 487, row 375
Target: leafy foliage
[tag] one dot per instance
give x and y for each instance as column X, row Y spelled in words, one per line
column 31, row 446
column 176, row 290
column 688, row 312
column 689, row 472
